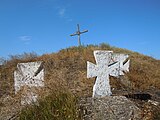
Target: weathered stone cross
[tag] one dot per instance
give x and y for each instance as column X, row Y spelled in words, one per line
column 79, row 33
column 121, row 67
column 107, row 64
column 29, row 75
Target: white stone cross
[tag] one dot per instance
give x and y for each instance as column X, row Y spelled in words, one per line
column 123, row 64
column 107, row 64
column 29, row 74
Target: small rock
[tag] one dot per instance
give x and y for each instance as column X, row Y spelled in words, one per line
column 153, row 102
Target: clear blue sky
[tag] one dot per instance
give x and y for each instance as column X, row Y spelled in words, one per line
column 44, row 26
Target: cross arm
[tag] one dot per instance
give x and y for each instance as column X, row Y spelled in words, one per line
column 91, row 70
column 126, row 66
column 74, row 34
column 84, row 31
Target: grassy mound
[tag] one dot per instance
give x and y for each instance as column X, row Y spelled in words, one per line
column 67, row 70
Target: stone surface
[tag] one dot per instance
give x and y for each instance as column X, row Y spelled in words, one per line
column 29, row 97
column 101, row 70
column 107, row 64
column 29, row 75
column 122, row 66
column 109, row 108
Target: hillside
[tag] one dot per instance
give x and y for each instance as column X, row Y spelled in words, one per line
column 66, row 81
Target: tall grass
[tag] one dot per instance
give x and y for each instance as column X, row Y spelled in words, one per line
column 59, row 106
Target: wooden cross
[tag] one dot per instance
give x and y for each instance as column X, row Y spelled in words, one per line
column 79, row 33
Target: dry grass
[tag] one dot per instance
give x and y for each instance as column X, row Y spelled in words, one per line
column 56, row 106
column 67, row 70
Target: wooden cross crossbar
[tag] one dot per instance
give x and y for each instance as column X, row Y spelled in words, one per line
column 79, row 33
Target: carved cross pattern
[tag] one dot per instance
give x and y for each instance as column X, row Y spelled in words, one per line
column 29, row 74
